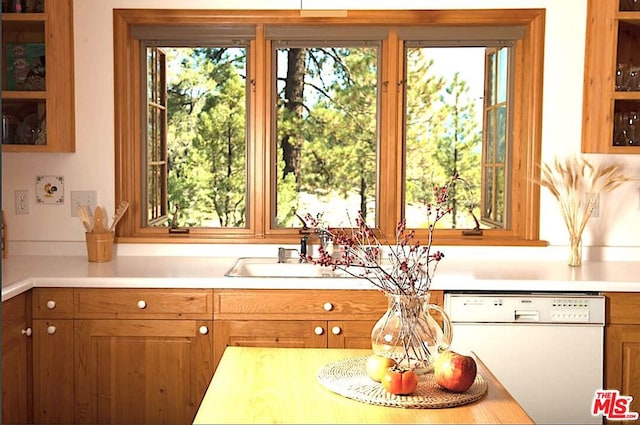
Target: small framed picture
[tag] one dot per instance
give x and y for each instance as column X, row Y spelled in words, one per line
column 50, row 190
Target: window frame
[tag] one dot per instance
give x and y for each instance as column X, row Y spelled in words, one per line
column 527, row 119
column 157, row 196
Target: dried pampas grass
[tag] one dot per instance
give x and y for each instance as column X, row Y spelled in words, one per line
column 576, row 184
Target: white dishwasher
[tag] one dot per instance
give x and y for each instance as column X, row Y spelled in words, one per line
column 545, row 348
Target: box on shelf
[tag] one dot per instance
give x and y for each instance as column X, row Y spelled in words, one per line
column 25, row 66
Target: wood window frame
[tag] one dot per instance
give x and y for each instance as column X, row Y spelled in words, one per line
column 527, row 119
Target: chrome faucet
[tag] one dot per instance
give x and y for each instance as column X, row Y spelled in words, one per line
column 324, row 238
column 282, row 254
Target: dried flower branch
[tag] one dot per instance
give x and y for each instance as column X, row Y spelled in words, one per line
column 409, row 265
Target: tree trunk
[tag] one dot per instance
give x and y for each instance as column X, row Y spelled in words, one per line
column 291, row 143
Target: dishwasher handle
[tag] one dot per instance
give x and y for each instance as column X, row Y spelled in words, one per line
column 526, row 316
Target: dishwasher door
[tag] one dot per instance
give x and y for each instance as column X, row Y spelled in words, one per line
column 546, row 348
column 553, row 370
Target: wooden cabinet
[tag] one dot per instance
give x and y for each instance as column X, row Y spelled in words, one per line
column 611, row 104
column 143, row 355
column 53, row 365
column 622, row 346
column 147, row 355
column 37, row 78
column 16, row 365
column 295, row 318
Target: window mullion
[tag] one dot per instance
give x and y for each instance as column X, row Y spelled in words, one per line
column 391, row 134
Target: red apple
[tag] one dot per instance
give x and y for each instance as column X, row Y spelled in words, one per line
column 454, row 371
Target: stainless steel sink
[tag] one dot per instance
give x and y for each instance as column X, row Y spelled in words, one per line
column 270, row 267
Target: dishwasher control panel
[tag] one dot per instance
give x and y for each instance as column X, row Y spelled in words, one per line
column 525, row 308
column 570, row 310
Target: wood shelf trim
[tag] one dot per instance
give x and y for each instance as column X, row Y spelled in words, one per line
column 23, row 17
column 24, row 95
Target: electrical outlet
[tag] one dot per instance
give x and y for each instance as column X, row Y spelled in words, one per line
column 22, row 201
column 83, row 197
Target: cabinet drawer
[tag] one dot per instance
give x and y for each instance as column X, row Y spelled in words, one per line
column 622, row 308
column 144, row 303
column 283, row 304
column 50, row 303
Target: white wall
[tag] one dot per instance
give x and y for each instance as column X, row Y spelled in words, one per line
column 92, row 165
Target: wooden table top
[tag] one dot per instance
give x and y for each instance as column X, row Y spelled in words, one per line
column 279, row 385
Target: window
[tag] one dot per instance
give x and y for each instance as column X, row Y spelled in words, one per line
column 206, row 138
column 494, row 154
column 443, row 130
column 283, row 116
column 156, row 164
column 326, row 134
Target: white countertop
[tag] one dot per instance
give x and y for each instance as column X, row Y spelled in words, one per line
column 21, row 273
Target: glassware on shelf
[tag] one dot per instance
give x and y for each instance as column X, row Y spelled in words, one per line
column 626, row 128
column 629, row 5
column 634, row 129
column 634, row 79
column 627, row 77
column 619, row 130
column 621, row 77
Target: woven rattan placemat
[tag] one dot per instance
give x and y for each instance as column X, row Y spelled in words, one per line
column 348, row 377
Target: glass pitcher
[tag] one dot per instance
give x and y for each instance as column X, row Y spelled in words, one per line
column 408, row 334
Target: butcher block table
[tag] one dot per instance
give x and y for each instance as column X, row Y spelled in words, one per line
column 280, row 385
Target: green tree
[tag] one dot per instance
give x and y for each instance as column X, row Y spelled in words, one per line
column 443, row 137
column 457, row 146
column 336, row 127
column 326, row 129
column 207, row 149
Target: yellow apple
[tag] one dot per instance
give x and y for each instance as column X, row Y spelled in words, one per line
column 378, row 365
column 454, row 371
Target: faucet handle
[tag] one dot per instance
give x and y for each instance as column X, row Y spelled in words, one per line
column 281, row 255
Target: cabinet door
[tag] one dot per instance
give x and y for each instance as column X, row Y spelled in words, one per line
column 350, row 333
column 611, row 101
column 141, row 371
column 38, row 92
column 622, row 362
column 268, row 333
column 53, row 371
column 15, row 361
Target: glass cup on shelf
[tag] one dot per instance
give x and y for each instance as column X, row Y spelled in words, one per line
column 629, row 5
column 621, row 77
column 626, row 128
column 633, row 83
column 620, row 129
column 633, row 138
column 627, row 77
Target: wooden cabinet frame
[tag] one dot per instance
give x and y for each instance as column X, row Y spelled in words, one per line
column 600, row 96
column 59, row 97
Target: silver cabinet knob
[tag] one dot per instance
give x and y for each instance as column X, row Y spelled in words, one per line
column 51, row 304
column 336, row 330
column 203, row 330
column 327, row 306
column 318, row 330
column 142, row 304
column 27, row 332
column 51, row 329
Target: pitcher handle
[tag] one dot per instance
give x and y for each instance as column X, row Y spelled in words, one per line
column 447, row 328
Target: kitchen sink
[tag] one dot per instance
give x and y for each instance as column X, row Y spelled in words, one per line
column 270, row 267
